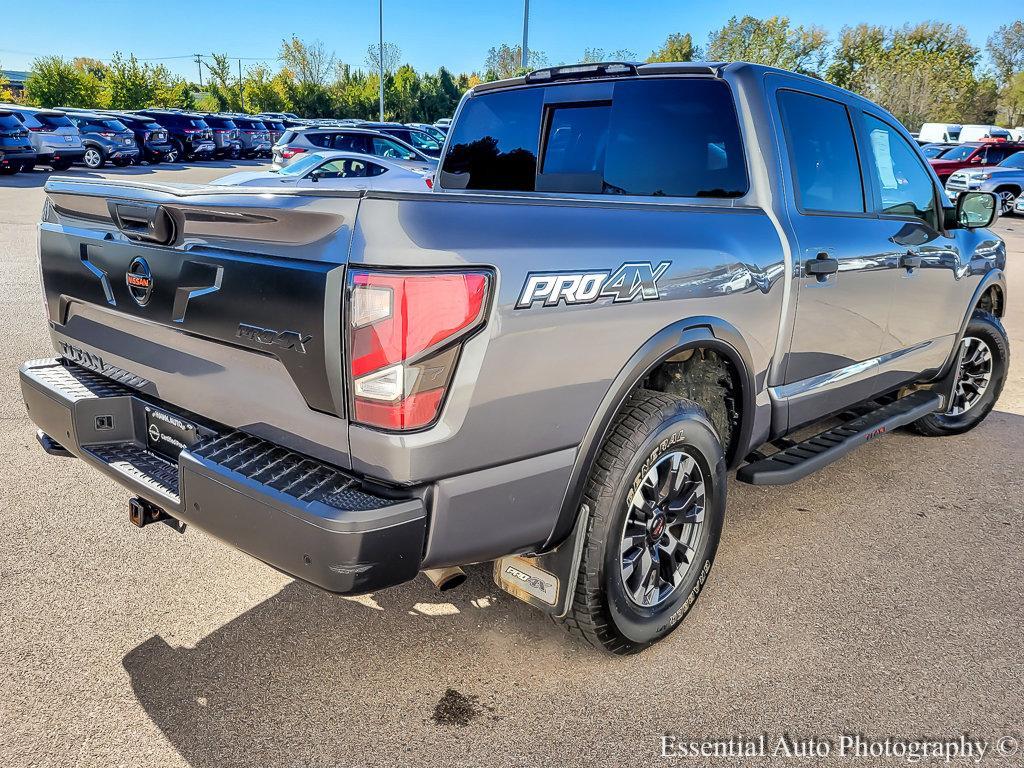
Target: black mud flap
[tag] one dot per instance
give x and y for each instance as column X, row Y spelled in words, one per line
column 546, row 581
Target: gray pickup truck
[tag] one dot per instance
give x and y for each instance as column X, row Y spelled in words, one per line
column 627, row 282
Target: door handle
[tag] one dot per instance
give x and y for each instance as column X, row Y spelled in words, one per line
column 823, row 266
column 911, row 260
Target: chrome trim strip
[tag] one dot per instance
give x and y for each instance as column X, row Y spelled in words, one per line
column 824, row 382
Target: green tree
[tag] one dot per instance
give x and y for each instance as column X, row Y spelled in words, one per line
column 128, row 84
column 308, row 69
column 859, row 47
column 919, row 72
column 92, row 66
column 503, row 61
column 677, row 47
column 222, row 87
column 1005, row 48
column 5, row 91
column 772, row 41
column 392, row 55
column 170, row 91
column 56, row 82
column 596, row 55
column 1011, row 101
column 260, row 92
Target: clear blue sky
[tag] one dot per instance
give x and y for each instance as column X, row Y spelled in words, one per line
column 451, row 33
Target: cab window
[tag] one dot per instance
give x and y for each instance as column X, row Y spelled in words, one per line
column 822, row 153
column 906, row 187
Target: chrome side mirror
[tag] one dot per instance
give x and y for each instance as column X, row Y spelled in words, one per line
column 975, row 210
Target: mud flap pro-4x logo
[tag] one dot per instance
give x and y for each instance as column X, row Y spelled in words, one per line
column 634, row 279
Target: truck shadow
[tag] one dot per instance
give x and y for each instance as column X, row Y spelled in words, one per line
column 305, row 668
column 306, row 679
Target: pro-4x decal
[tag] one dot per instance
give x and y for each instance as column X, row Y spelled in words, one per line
column 632, row 280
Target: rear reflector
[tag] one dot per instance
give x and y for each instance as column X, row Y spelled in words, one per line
column 405, row 334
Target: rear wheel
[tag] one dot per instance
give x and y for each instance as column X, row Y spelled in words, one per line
column 94, row 158
column 176, row 153
column 28, row 167
column 60, row 165
column 657, row 503
column 983, row 359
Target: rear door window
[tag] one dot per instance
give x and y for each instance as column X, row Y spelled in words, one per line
column 382, row 147
column 652, row 137
column 822, row 153
column 351, row 142
column 9, row 122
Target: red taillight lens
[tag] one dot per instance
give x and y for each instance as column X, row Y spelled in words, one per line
column 404, row 341
column 289, row 152
column 37, row 129
column 430, row 182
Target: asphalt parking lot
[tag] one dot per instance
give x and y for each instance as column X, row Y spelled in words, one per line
column 881, row 596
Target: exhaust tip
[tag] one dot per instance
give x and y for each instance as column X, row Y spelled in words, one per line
column 446, row 579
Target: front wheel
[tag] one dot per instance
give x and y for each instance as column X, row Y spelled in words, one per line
column 94, row 159
column 657, row 503
column 1007, row 200
column 983, row 360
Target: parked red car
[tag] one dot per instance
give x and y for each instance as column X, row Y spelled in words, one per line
column 973, row 154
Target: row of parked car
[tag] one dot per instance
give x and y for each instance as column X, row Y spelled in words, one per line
column 58, row 138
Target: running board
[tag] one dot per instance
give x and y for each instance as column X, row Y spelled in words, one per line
column 800, row 460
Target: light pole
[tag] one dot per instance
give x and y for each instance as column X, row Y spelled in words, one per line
column 526, row 32
column 380, row 54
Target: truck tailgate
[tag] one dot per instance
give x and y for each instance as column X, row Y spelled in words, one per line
column 225, row 303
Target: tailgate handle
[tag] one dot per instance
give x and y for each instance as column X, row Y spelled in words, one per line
column 141, row 221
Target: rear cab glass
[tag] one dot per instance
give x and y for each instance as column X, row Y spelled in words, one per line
column 643, row 137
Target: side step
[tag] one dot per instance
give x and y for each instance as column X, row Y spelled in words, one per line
column 800, row 460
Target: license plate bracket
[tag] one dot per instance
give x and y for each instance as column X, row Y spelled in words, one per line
column 168, row 434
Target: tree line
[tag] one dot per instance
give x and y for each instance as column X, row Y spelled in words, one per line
column 922, row 72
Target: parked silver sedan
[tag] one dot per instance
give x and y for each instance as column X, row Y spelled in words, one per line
column 337, row 170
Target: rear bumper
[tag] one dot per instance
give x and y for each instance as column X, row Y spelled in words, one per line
column 54, row 153
column 17, row 155
column 156, row 150
column 306, row 518
column 125, row 153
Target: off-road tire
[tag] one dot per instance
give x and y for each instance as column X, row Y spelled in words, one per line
column 650, row 426
column 987, row 327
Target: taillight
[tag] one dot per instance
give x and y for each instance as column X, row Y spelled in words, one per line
column 405, row 334
column 430, row 182
column 289, row 152
column 108, row 134
column 37, row 129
